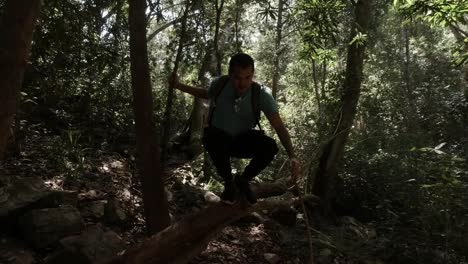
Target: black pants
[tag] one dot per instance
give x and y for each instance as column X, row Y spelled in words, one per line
column 253, row 144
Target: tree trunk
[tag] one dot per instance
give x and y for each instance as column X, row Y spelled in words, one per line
column 219, row 10
column 327, row 170
column 149, row 164
column 278, row 51
column 324, row 78
column 236, row 25
column 189, row 141
column 321, row 122
column 411, row 111
column 316, row 88
column 16, row 31
column 170, row 95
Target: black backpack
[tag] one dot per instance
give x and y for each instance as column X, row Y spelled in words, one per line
column 255, row 99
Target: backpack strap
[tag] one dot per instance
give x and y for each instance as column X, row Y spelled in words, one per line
column 256, row 103
column 222, row 81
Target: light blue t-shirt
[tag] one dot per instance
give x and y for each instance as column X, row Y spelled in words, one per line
column 236, row 115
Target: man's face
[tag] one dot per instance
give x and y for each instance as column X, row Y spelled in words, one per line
column 242, row 78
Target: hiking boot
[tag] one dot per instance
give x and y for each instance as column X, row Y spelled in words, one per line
column 229, row 193
column 244, row 188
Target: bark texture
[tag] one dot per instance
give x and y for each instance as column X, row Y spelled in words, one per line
column 16, row 32
column 184, row 240
column 149, row 163
column 326, row 173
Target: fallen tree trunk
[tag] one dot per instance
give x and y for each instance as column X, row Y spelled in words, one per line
column 270, row 189
column 186, row 239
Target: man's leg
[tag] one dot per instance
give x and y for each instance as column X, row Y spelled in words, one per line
column 217, row 144
column 261, row 149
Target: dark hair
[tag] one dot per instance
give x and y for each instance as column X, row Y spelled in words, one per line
column 242, row 60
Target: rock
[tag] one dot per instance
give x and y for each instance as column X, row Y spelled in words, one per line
column 325, row 252
column 186, row 195
column 94, row 245
column 284, row 215
column 169, row 195
column 14, row 252
column 94, row 210
column 44, row 227
column 211, row 197
column 325, row 256
column 251, row 218
column 58, row 198
column 90, row 195
column 271, row 258
column 18, row 194
column 271, row 224
column 113, row 212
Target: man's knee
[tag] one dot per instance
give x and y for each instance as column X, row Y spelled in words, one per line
column 271, row 148
column 214, row 139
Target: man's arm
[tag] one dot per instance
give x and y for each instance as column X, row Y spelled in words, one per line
column 195, row 91
column 283, row 134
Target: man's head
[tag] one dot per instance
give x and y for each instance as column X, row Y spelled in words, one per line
column 241, row 70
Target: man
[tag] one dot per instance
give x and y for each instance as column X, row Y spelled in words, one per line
column 230, row 131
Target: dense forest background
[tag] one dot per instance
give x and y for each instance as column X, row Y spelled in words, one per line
column 400, row 164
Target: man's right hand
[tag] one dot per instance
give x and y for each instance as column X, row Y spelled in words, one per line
column 173, row 80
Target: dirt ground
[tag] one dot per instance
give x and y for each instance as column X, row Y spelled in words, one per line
column 102, row 174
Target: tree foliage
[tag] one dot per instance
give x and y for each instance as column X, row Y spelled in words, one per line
column 445, row 13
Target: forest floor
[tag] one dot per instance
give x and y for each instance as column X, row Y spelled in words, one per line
column 262, row 240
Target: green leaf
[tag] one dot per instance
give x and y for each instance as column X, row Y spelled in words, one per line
column 359, row 39
column 272, row 15
column 439, row 151
column 458, row 159
column 426, row 149
column 440, row 145
column 425, row 186
column 30, row 101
